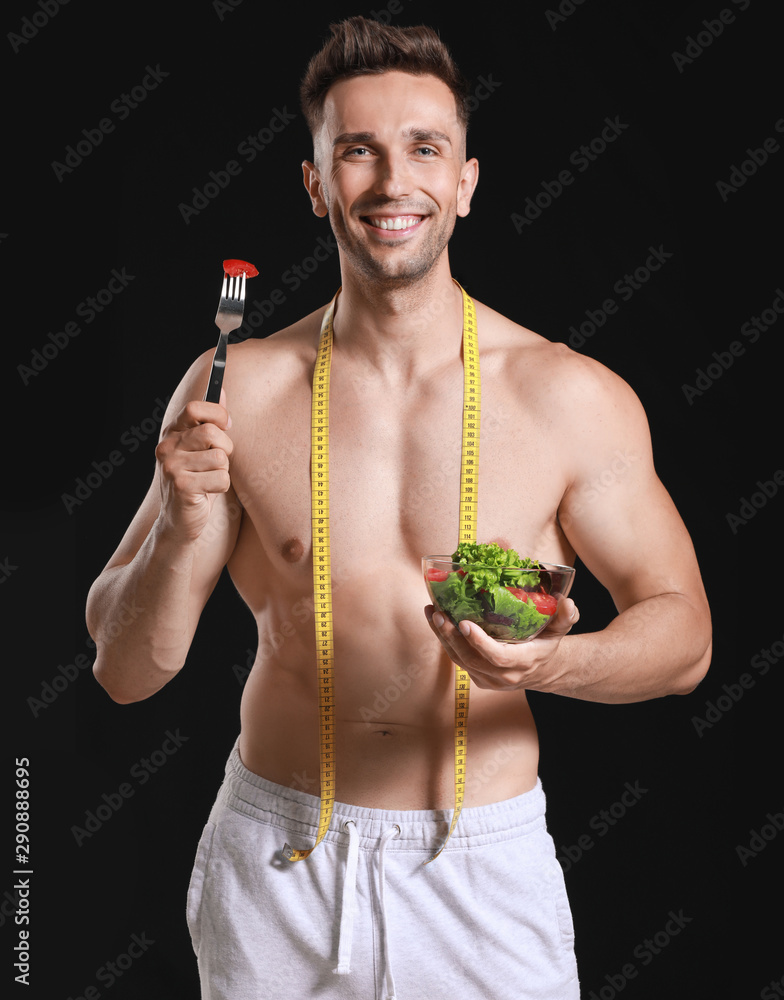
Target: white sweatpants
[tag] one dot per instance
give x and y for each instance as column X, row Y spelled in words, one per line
column 363, row 917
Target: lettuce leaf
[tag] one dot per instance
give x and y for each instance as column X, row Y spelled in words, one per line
column 457, row 597
column 488, row 564
column 524, row 613
column 480, row 592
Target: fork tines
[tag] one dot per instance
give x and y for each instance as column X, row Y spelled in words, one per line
column 235, row 289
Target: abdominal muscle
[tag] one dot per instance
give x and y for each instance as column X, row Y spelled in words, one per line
column 394, row 712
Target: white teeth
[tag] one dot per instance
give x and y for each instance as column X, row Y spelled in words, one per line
column 401, row 222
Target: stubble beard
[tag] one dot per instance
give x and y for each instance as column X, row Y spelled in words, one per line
column 393, row 266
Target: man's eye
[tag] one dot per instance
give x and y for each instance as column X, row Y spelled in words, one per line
column 426, row 151
column 359, row 151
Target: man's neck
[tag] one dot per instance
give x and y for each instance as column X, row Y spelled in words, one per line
column 399, row 330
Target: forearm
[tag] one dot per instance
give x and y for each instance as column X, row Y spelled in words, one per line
column 139, row 615
column 658, row 647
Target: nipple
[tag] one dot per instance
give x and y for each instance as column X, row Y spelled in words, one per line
column 293, row 550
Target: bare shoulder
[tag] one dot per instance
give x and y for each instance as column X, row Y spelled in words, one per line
column 548, row 371
column 271, row 367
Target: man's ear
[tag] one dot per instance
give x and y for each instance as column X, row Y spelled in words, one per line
column 312, row 181
column 468, row 180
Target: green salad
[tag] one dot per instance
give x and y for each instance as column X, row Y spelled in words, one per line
column 506, row 595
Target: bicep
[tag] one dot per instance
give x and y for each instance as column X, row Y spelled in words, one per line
column 616, row 513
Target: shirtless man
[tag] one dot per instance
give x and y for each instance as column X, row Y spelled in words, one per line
column 486, row 918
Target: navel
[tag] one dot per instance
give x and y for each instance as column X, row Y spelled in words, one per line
column 293, row 550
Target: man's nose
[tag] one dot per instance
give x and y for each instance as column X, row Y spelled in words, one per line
column 393, row 178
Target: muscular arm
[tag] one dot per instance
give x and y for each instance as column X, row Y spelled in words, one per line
column 626, row 530
column 628, row 533
column 172, row 554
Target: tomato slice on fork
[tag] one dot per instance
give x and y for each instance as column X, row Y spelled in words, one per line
column 236, row 268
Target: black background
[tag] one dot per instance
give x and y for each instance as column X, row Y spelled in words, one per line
column 546, row 87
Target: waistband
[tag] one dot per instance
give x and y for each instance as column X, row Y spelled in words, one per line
column 296, row 811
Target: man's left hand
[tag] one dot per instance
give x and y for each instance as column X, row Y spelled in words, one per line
column 505, row 666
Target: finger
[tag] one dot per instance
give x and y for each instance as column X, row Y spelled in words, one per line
column 211, row 460
column 483, row 647
column 204, row 437
column 442, row 628
column 196, row 484
column 470, row 648
column 197, row 411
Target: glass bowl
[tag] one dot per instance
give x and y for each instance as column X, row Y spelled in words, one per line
column 511, row 604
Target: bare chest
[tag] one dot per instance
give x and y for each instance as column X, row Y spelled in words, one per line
column 394, row 465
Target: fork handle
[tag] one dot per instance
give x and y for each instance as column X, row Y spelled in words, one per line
column 212, row 394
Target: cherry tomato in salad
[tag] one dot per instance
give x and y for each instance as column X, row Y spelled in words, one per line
column 437, row 575
column 236, row 268
column 546, row 604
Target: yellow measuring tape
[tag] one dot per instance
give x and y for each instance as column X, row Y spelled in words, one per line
column 322, row 575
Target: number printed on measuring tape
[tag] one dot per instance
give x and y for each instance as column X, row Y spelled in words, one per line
column 322, row 574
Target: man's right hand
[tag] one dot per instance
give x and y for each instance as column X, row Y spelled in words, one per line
column 193, row 456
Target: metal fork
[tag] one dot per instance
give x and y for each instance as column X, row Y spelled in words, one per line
column 228, row 318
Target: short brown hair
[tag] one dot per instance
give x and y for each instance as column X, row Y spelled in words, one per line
column 359, row 46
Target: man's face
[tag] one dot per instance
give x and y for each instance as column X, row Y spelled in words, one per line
column 390, row 172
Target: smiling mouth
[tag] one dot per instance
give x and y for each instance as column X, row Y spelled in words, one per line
column 396, row 223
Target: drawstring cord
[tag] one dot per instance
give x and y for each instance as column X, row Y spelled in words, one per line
column 349, row 907
column 389, row 982
column 349, row 903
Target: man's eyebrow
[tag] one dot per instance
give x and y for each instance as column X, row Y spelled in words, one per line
column 348, row 138
column 427, row 135
column 414, row 133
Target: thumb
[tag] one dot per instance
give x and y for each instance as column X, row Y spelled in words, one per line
column 565, row 617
